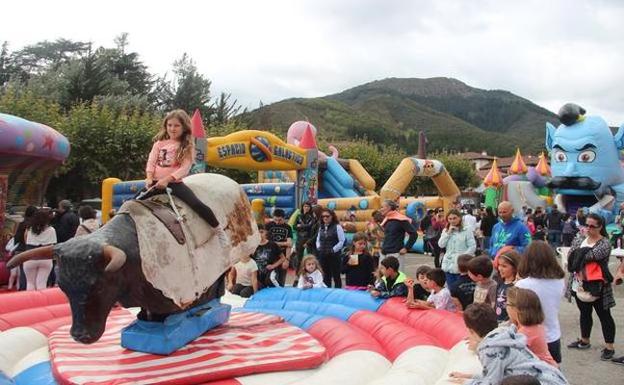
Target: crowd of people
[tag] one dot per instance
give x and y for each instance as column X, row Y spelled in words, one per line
column 488, row 266
column 43, row 227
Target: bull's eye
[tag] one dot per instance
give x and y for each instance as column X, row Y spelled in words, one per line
column 560, row 156
column 587, row 156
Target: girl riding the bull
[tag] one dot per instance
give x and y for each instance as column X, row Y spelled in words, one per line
column 170, row 160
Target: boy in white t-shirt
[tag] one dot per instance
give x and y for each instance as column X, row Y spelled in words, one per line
column 440, row 297
column 243, row 277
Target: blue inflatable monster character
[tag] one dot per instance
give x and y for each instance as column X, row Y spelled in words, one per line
column 585, row 163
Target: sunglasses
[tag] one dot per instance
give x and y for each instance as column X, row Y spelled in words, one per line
column 593, row 226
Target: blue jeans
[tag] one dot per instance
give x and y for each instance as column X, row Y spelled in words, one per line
column 554, row 237
column 450, row 278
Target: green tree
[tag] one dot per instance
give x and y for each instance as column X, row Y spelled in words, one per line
column 28, row 105
column 187, row 90
column 224, row 110
column 105, row 143
column 379, row 161
column 43, row 56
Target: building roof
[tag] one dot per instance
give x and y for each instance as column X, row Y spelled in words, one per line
column 476, row 155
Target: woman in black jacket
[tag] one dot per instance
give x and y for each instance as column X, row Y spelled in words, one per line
column 590, row 284
column 329, row 243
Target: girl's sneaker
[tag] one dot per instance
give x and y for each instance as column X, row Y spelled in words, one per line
column 619, row 360
column 579, row 344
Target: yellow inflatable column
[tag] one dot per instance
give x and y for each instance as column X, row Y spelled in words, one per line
column 107, row 197
column 399, row 180
column 257, row 208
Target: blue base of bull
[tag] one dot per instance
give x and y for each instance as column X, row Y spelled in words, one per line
column 176, row 331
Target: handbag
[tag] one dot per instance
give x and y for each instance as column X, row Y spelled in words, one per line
column 581, row 292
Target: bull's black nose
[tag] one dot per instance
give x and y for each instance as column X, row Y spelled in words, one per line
column 84, row 338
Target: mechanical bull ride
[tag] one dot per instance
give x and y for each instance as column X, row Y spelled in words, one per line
column 174, row 271
column 585, row 163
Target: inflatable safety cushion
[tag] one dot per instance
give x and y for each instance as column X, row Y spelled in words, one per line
column 31, row 299
column 297, row 318
column 339, row 337
column 352, row 298
column 27, row 317
column 448, row 328
column 228, row 351
column 40, row 374
column 393, row 336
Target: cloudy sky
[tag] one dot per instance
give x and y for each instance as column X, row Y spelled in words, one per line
column 549, row 52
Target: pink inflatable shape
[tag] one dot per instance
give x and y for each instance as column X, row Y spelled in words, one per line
column 295, row 134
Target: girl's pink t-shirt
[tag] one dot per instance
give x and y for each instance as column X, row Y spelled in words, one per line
column 162, row 162
column 536, row 342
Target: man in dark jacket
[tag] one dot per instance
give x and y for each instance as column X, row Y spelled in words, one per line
column 554, row 223
column 395, row 226
column 66, row 221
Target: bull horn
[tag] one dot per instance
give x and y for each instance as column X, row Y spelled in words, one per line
column 43, row 252
column 115, row 258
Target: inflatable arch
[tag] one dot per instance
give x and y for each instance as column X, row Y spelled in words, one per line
column 338, row 336
column 411, row 167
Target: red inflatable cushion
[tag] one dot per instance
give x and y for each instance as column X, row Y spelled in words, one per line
column 245, row 345
column 28, row 317
column 448, row 328
column 393, row 336
column 339, row 337
column 14, row 301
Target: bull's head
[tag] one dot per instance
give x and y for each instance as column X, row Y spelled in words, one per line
column 87, row 275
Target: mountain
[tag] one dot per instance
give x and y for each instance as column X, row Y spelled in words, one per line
column 454, row 116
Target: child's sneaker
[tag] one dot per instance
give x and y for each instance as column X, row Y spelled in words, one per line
column 579, row 344
column 607, row 354
column 224, row 240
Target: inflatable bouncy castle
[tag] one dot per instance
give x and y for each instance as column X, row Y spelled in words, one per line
column 29, row 154
column 280, row 336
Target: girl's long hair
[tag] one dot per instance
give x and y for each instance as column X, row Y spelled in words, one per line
column 359, row 236
column 187, row 147
column 40, row 221
column 539, row 261
column 305, row 259
column 458, row 214
column 332, row 213
column 528, row 305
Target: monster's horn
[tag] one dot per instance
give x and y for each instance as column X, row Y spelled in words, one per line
column 43, row 252
column 115, row 258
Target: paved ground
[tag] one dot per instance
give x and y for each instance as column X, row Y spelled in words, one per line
column 580, row 367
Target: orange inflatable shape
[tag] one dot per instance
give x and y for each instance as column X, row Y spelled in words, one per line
column 542, row 166
column 518, row 166
column 493, row 178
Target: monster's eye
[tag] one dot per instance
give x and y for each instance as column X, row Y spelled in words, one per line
column 587, row 156
column 561, row 156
